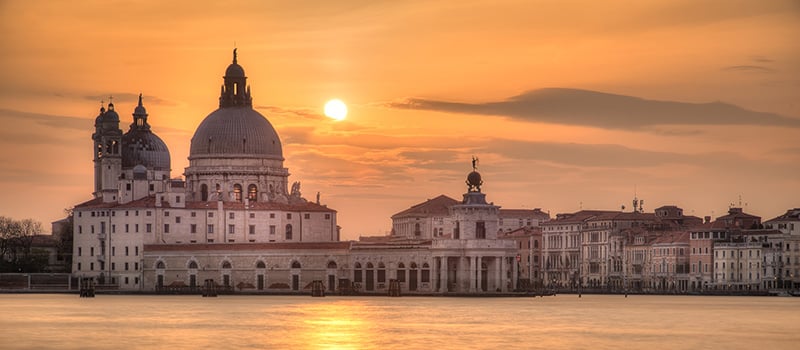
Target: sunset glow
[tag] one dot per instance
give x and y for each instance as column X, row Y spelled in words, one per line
column 336, row 109
column 568, row 105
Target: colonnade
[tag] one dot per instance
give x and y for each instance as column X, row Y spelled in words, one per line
column 475, row 274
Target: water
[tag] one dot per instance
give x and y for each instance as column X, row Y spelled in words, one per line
column 37, row 321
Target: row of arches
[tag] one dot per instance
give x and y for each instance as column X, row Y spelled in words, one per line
column 373, row 277
column 252, row 192
column 260, row 264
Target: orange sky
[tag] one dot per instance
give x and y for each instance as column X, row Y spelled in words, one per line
column 428, row 85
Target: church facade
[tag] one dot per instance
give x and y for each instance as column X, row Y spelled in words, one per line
column 234, row 219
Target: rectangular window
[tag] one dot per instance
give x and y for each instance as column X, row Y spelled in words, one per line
column 113, row 266
column 272, row 229
column 231, row 229
column 136, row 280
column 152, row 187
column 91, row 266
column 252, row 215
column 126, row 228
column 230, row 215
column 327, row 216
column 177, row 199
column 113, row 251
column 307, row 216
column 288, row 215
column 113, row 228
column 252, row 229
column 136, row 226
column 166, row 213
column 177, row 219
column 80, row 229
column 193, row 228
column 211, row 214
column 194, row 214
column 210, row 229
column 149, row 228
column 271, row 215
column 126, row 251
column 148, row 213
column 126, row 266
column 91, row 251
column 166, row 228
column 136, row 267
column 137, row 251
column 79, row 266
column 80, row 251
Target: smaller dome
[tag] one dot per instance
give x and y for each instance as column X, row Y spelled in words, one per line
column 234, row 70
column 140, row 169
column 111, row 115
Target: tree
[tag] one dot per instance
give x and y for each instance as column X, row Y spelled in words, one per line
column 16, row 239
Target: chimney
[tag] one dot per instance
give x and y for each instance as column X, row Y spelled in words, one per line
column 707, row 219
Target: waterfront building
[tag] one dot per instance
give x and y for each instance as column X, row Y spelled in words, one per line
column 670, row 262
column 788, row 266
column 234, row 220
column 529, row 251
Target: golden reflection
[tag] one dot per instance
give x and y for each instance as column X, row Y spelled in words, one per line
column 337, row 325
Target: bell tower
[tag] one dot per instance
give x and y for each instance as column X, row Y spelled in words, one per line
column 235, row 92
column 107, row 139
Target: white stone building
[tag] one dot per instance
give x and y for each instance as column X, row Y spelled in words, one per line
column 236, row 222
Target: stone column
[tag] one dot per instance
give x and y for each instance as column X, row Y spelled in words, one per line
column 461, row 275
column 503, row 279
column 443, row 272
column 479, row 273
column 497, row 283
column 471, row 274
column 514, row 273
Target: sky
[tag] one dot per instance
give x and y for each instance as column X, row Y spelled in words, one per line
column 568, row 105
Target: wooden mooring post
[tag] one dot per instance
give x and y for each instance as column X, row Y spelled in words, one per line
column 209, row 288
column 394, row 288
column 317, row 288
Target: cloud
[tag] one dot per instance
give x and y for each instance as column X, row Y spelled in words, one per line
column 749, row 69
column 132, row 98
column 300, row 112
column 603, row 110
column 55, row 121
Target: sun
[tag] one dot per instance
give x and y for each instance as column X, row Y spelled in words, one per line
column 336, row 109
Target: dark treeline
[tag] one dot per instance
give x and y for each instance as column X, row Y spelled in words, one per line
column 18, row 251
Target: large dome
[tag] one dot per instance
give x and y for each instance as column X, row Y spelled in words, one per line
column 236, row 131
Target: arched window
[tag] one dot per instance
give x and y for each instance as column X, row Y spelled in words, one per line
column 237, row 192
column 204, row 192
column 413, row 266
column 288, row 232
column 401, row 272
column 261, row 265
column 295, row 264
column 252, row 193
column 426, row 273
column 357, row 273
column 381, row 273
column 160, row 265
column 331, row 264
column 226, row 264
column 193, row 265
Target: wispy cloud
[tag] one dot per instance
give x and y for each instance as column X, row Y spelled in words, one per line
column 131, row 98
column 749, row 68
column 603, row 110
column 55, row 121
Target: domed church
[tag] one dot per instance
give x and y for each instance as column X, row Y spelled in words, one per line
column 234, row 222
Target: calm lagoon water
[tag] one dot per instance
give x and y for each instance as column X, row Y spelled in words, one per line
column 42, row 321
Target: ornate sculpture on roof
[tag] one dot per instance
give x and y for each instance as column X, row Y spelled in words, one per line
column 474, row 180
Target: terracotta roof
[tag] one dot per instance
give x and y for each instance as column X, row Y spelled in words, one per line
column 577, row 217
column 439, row 206
column 521, row 232
column 523, row 213
column 790, row 215
column 247, row 246
column 673, row 237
